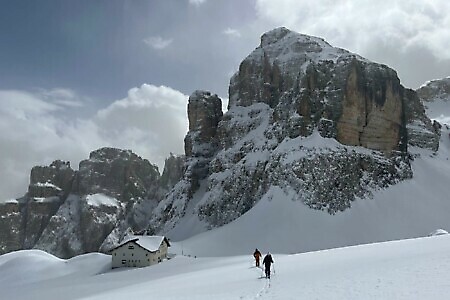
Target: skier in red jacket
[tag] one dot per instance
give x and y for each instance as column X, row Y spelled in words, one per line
column 257, row 255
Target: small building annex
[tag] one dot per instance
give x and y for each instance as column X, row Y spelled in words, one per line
column 140, row 251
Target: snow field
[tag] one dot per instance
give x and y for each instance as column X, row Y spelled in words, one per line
column 406, row 269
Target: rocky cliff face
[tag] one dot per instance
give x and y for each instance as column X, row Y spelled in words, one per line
column 67, row 212
column 318, row 121
column 201, row 145
column 314, row 85
column 49, row 186
column 11, row 229
column 117, row 173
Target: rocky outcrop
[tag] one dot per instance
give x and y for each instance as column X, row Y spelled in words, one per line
column 117, row 173
column 173, row 171
column 49, row 186
column 80, row 225
column 314, row 85
column 421, row 131
column 204, row 114
column 435, row 96
column 201, row 145
column 372, row 109
column 435, row 90
column 50, row 181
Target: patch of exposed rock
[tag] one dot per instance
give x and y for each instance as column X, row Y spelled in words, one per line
column 435, row 90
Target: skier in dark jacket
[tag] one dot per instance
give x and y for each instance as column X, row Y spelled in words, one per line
column 257, row 255
column 267, row 261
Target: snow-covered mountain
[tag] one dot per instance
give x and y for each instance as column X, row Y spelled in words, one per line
column 308, row 124
column 319, row 148
column 67, row 212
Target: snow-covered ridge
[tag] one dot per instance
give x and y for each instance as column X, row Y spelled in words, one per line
column 285, row 48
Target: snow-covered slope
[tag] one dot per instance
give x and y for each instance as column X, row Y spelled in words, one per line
column 411, row 208
column 407, row 269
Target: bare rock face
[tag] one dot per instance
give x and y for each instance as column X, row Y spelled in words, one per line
column 48, row 188
column 435, row 95
column 204, row 113
column 201, row 144
column 173, row 170
column 314, row 85
column 11, row 230
column 50, row 181
column 115, row 172
column 420, row 130
column 371, row 110
column 80, row 225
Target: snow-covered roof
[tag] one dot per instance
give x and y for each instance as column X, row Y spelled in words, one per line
column 438, row 232
column 14, row 201
column 150, row 243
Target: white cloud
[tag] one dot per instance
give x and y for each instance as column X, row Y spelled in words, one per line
column 157, row 42
column 151, row 121
column 62, row 96
column 232, row 32
column 23, row 105
column 393, row 31
column 399, row 22
column 197, row 2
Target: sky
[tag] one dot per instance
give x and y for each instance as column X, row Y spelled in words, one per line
column 79, row 75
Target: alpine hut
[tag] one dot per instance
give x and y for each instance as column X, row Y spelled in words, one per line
column 140, row 251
